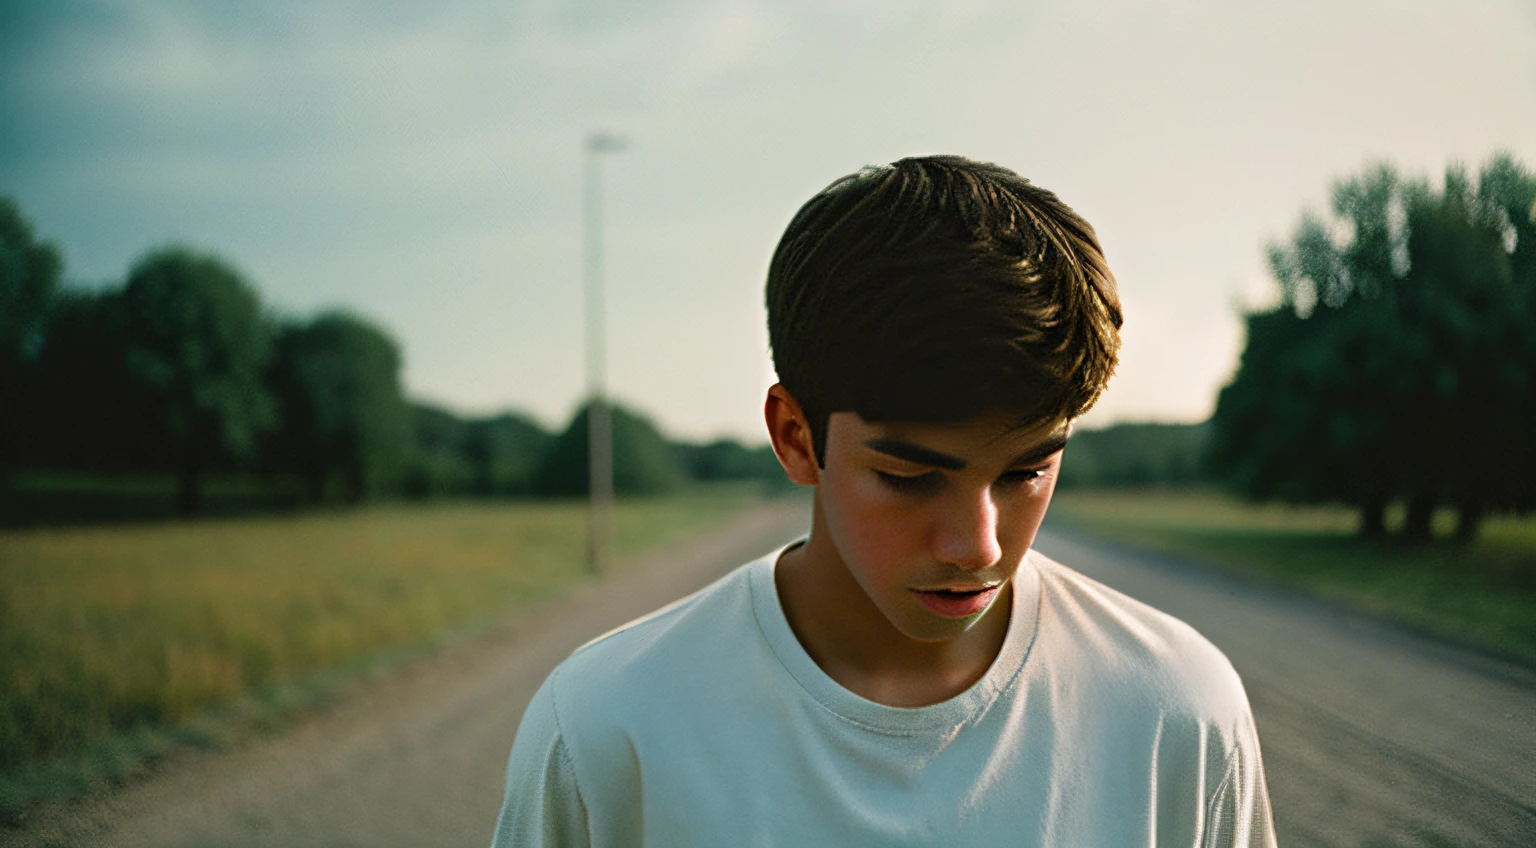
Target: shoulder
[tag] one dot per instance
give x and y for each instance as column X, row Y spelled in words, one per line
column 1135, row 645
column 638, row 692
column 656, row 656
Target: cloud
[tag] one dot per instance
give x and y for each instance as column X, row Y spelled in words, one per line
column 348, row 151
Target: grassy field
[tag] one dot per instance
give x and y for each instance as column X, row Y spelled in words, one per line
column 117, row 642
column 1483, row 593
column 70, row 498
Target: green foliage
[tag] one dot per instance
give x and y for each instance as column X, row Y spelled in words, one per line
column 505, row 451
column 1135, row 455
column 59, row 496
column 196, row 343
column 78, row 409
column 338, row 380
column 438, row 464
column 178, row 371
column 29, row 273
column 643, row 461
column 1399, row 362
column 494, row 456
column 728, row 459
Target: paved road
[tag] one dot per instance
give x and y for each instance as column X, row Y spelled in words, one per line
column 1371, row 736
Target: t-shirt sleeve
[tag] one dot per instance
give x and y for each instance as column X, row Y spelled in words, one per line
column 542, row 807
column 1238, row 814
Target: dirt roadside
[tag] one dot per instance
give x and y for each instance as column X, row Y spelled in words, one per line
column 414, row 759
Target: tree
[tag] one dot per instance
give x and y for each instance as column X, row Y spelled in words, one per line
column 1475, row 318
column 437, row 464
column 643, row 462
column 1135, row 454
column 86, row 412
column 728, row 459
column 1305, row 419
column 197, row 345
column 29, row 275
column 1403, row 325
column 505, row 450
column 495, row 456
column 338, row 382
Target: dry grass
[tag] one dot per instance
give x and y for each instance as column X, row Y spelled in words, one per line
column 1484, row 593
column 1195, row 509
column 107, row 629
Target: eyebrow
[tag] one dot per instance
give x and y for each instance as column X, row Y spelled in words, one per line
column 910, row 452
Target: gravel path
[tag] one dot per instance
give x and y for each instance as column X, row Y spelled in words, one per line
column 1372, row 736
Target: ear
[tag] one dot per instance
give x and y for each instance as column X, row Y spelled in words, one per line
column 790, row 434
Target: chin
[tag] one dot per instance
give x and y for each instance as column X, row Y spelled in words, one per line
column 937, row 630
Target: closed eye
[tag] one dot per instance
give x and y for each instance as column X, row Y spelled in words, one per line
column 912, row 483
column 918, row 484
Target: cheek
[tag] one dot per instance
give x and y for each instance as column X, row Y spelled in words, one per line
column 871, row 528
column 1034, row 498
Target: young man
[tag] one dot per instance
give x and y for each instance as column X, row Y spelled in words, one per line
column 911, row 673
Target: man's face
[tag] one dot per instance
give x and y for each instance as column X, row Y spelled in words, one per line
column 931, row 520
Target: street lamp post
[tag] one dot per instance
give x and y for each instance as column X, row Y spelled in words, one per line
column 599, row 418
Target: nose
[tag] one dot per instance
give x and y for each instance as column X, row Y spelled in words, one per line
column 966, row 533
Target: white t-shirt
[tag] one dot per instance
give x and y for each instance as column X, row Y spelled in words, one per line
column 1102, row 722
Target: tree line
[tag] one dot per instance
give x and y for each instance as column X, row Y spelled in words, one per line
column 181, row 369
column 1399, row 364
column 1136, row 454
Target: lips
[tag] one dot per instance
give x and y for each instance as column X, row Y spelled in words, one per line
column 957, row 602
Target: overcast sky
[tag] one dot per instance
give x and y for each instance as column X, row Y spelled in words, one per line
column 420, row 163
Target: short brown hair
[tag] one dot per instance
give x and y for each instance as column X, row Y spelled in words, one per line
column 937, row 289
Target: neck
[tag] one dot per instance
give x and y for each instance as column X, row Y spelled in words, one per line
column 857, row 646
